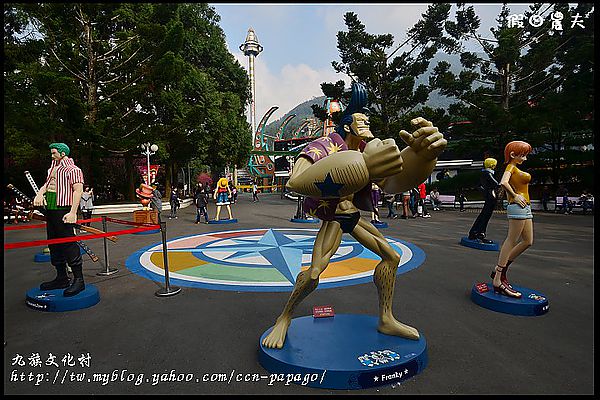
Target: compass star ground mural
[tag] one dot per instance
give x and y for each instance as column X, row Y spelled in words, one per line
column 261, row 260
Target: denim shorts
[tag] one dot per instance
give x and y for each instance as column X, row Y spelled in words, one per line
column 222, row 199
column 514, row 211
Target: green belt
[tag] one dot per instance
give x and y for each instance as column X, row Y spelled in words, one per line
column 51, row 202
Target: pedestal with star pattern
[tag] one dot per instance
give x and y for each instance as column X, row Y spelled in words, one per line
column 343, row 352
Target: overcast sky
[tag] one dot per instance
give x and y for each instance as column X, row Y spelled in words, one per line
column 300, row 42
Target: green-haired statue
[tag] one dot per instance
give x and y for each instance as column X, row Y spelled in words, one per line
column 60, row 194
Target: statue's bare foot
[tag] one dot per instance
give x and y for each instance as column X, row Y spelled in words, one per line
column 390, row 326
column 276, row 338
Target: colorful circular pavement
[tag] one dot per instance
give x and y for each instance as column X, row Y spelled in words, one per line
column 261, row 260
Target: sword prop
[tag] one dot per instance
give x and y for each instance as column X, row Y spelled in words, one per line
column 41, row 217
column 89, row 229
column 80, row 243
column 32, row 182
column 32, row 215
column 90, row 252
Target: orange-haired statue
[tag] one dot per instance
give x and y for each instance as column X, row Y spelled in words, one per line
column 520, row 218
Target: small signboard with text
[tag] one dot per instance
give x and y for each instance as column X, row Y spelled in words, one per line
column 482, row 287
column 323, row 311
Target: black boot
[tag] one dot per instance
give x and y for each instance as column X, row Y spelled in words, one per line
column 482, row 238
column 60, row 282
column 77, row 286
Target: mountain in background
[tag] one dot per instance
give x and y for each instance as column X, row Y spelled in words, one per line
column 304, row 110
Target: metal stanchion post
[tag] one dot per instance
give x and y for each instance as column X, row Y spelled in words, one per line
column 109, row 270
column 167, row 290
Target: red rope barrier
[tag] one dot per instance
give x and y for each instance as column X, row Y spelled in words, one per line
column 18, row 228
column 18, row 245
column 97, row 219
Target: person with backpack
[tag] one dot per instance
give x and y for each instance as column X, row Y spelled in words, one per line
column 201, row 202
column 174, row 201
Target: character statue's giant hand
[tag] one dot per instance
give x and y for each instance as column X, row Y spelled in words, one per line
column 39, row 200
column 382, row 158
column 426, row 141
column 70, row 218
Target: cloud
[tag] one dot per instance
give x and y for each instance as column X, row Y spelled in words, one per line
column 288, row 87
column 378, row 18
column 289, row 75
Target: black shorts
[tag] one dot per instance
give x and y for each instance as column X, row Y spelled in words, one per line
column 347, row 221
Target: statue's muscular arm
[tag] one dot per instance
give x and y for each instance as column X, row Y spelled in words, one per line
column 420, row 156
column 347, row 168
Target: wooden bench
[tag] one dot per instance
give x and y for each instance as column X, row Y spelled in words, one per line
column 574, row 203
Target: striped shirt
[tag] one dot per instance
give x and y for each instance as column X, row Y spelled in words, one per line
column 67, row 174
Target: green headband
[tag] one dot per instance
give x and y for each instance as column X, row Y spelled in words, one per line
column 60, row 147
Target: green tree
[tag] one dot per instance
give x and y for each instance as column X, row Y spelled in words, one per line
column 79, row 81
column 529, row 83
column 198, row 89
column 390, row 80
column 107, row 77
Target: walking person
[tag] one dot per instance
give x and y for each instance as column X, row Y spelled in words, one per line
column 422, row 196
column 405, row 204
column 87, row 204
column 201, row 202
column 234, row 193
column 545, row 197
column 156, row 201
column 254, row 192
column 390, row 198
column 174, row 201
column 413, row 202
column 587, row 201
column 461, row 199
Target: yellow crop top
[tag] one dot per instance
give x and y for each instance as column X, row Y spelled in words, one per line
column 519, row 181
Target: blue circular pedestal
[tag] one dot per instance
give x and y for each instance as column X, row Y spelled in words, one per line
column 306, row 221
column 147, row 232
column 53, row 300
column 342, row 352
column 379, row 225
column 530, row 304
column 476, row 244
column 41, row 257
column 45, row 257
column 223, row 221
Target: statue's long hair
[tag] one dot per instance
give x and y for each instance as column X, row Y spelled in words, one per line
column 519, row 147
column 358, row 101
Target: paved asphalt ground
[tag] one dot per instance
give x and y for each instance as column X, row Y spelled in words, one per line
column 471, row 350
